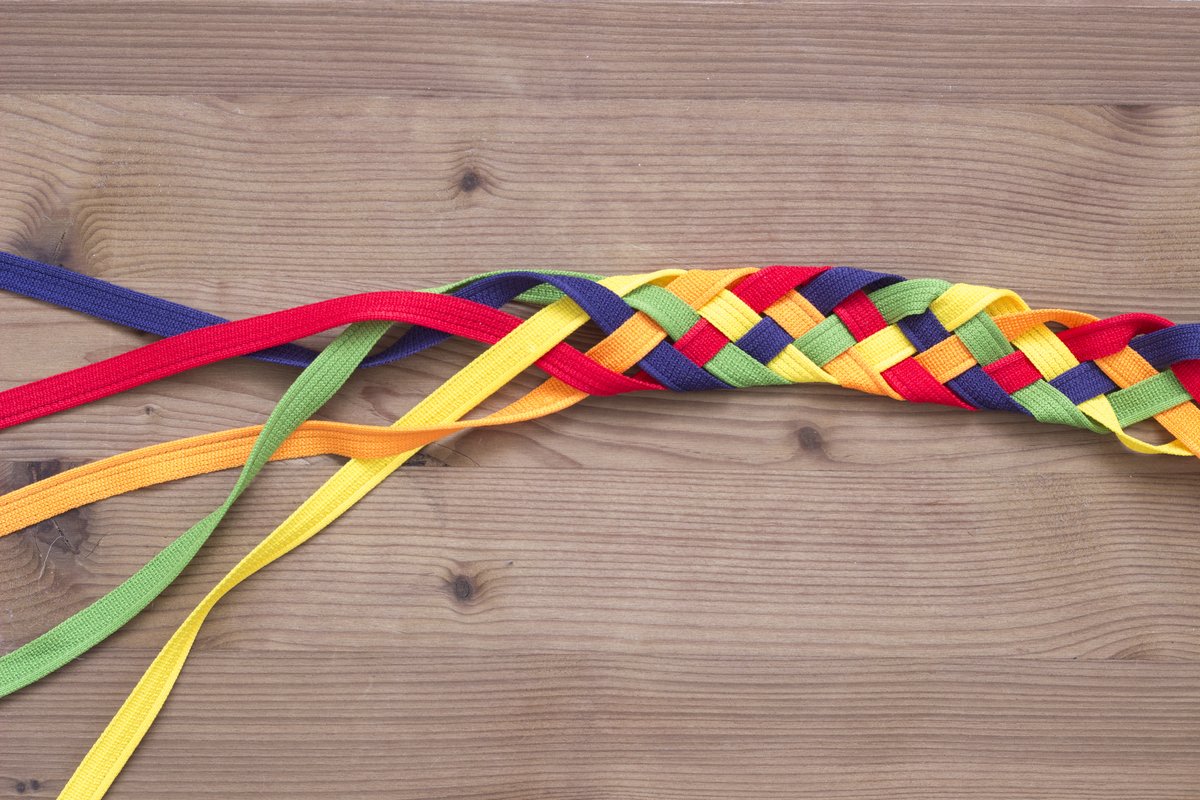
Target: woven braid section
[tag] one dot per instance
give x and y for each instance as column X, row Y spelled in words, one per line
column 967, row 346
column 916, row 340
column 923, row 341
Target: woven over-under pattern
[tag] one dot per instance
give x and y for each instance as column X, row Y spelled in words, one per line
column 929, row 341
column 924, row 341
column 920, row 340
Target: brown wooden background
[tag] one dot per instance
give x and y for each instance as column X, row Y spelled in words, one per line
column 769, row 593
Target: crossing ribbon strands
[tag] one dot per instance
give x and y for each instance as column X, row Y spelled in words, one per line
column 924, row 340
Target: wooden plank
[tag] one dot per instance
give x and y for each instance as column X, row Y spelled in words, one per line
column 744, row 562
column 403, row 721
column 994, row 53
column 1084, row 205
column 776, row 592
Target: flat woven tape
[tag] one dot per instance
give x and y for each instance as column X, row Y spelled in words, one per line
column 924, row 340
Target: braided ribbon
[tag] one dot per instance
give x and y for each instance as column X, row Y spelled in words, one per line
column 918, row 340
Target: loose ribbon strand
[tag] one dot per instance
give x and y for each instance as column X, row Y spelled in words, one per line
column 460, row 394
column 920, row 340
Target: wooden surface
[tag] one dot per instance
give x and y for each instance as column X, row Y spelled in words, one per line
column 768, row 593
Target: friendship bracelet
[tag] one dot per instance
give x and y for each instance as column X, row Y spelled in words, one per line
column 724, row 327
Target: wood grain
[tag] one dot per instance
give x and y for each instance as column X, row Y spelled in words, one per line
column 974, row 52
column 742, row 562
column 459, row 723
column 774, row 592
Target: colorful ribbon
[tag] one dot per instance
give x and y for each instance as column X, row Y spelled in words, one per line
column 144, row 312
column 921, row 340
